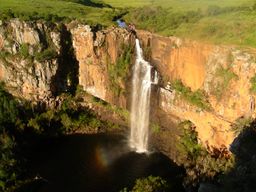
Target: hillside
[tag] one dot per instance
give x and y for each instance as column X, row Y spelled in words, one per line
column 219, row 22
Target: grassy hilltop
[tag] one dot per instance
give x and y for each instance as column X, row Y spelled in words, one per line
column 218, row 21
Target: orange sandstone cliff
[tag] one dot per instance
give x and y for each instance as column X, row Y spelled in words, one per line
column 222, row 73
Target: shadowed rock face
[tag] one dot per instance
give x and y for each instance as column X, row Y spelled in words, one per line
column 223, row 73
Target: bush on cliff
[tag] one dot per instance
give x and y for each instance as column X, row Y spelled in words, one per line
column 253, row 84
column 46, row 54
column 118, row 72
column 149, row 184
column 196, row 98
column 201, row 164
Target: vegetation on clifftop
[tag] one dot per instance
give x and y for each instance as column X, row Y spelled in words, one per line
column 204, row 20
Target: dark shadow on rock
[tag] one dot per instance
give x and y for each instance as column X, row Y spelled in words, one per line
column 92, row 3
column 242, row 178
column 66, row 78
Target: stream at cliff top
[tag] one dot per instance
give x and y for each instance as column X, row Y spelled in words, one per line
column 97, row 163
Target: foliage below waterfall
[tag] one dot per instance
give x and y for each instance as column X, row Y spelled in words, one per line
column 22, row 125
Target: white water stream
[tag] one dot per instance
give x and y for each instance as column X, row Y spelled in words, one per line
column 143, row 77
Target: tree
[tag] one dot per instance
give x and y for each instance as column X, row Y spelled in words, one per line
column 149, row 184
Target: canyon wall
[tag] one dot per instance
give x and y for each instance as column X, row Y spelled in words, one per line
column 222, row 73
column 103, row 70
column 39, row 61
column 26, row 78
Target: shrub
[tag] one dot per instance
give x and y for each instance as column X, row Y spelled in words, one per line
column 24, row 50
column 199, row 163
column 188, row 143
column 196, row 98
column 6, row 15
column 8, row 108
column 223, row 77
column 119, row 71
column 253, row 84
column 8, row 117
column 46, row 54
column 7, row 161
column 149, row 184
column 155, row 128
column 241, row 123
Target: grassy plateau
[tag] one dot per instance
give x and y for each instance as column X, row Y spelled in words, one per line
column 219, row 21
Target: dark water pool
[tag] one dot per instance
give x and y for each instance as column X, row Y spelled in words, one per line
column 97, row 163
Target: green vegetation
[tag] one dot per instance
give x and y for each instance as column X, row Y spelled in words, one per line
column 188, row 144
column 179, row 5
column 223, row 77
column 3, row 56
column 155, row 127
column 253, row 84
column 149, row 184
column 199, row 163
column 57, row 10
column 24, row 50
column 8, row 118
column 46, row 54
column 196, row 98
column 70, row 117
column 122, row 113
column 118, row 72
column 22, row 124
column 241, row 124
column 204, row 20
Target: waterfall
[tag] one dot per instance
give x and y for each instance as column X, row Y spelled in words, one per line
column 143, row 77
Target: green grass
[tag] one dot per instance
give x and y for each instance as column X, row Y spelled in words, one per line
column 178, row 4
column 218, row 21
column 71, row 10
column 222, row 28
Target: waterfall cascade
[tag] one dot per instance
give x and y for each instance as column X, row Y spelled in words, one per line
column 143, row 77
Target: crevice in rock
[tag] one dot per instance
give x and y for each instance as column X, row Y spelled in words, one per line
column 66, row 78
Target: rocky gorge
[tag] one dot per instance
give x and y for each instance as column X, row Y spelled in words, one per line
column 209, row 85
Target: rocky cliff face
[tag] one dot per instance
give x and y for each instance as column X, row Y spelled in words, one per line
column 39, row 61
column 26, row 75
column 222, row 73
column 101, row 62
